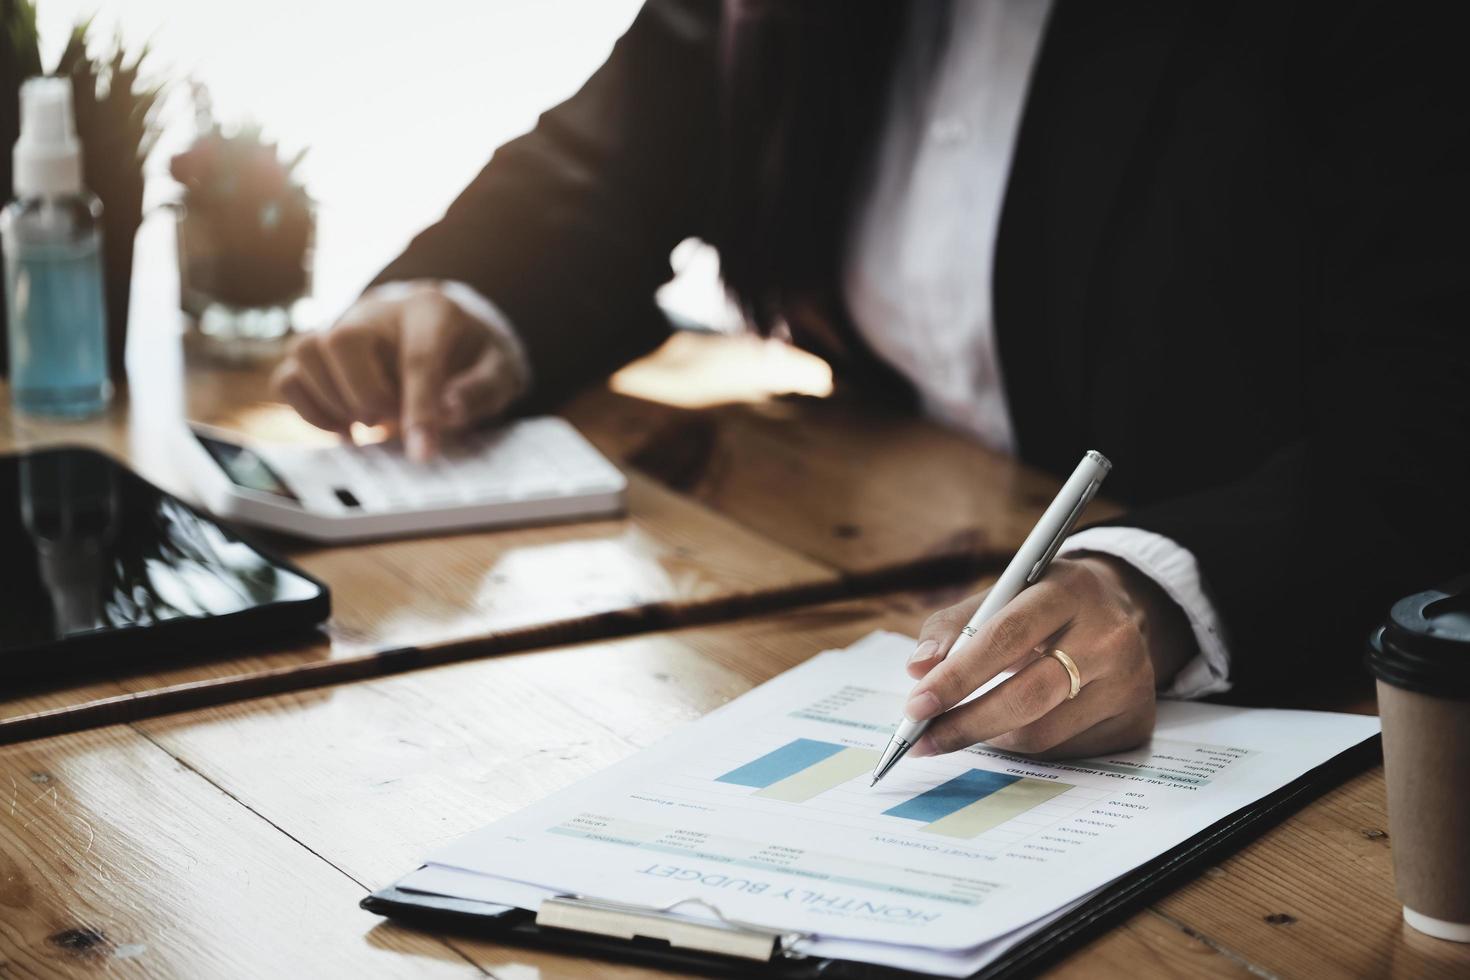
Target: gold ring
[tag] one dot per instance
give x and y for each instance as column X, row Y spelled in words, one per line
column 1071, row 668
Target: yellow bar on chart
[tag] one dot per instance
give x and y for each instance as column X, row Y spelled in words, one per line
column 995, row 809
column 831, row 772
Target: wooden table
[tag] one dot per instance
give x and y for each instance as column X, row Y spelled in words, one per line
column 748, row 492
column 237, row 839
column 878, row 494
column 222, row 831
column 403, row 603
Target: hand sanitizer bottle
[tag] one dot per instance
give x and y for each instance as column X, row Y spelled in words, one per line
column 53, row 269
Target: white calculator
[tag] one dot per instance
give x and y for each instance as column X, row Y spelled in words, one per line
column 533, row 470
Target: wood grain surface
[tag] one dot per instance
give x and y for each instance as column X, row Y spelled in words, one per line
column 118, row 860
column 874, row 491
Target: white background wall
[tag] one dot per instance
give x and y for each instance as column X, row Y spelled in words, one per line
column 399, row 103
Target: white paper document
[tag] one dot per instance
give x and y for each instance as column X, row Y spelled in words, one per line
column 763, row 811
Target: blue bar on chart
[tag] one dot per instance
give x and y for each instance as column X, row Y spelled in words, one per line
column 788, row 760
column 956, row 794
column 976, row 801
column 803, row 769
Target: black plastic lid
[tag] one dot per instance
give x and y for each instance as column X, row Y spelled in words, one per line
column 1425, row 645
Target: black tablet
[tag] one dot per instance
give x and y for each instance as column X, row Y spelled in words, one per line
column 100, row 567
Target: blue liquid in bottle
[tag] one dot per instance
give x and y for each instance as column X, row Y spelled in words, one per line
column 56, row 324
column 57, row 333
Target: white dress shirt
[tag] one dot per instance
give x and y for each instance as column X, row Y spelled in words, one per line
column 917, row 277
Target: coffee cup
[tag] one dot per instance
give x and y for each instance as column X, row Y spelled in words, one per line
column 1421, row 658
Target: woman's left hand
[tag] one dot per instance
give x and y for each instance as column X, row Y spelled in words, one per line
column 1119, row 628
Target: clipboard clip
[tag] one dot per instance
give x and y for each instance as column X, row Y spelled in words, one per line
column 720, row 935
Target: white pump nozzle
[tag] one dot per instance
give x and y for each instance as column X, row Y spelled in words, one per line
column 48, row 158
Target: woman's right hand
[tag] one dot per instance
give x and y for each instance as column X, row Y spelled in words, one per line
column 417, row 362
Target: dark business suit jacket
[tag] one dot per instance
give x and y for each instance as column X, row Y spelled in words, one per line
column 1233, row 257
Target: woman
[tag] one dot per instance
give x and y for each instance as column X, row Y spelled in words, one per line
column 1226, row 244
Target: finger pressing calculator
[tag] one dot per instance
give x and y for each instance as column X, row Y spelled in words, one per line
column 533, row 470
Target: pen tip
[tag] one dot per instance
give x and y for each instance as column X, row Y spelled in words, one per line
column 873, row 783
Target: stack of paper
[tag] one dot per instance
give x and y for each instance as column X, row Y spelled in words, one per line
column 761, row 813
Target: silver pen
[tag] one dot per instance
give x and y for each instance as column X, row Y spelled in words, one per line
column 1026, row 567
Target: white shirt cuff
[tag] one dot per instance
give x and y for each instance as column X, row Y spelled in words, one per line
column 1174, row 569
column 478, row 307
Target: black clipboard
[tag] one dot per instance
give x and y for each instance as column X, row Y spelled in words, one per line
column 648, row 937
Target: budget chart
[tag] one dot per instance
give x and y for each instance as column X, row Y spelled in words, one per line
column 763, row 812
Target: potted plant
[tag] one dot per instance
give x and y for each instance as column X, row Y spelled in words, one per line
column 116, row 119
column 246, row 226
